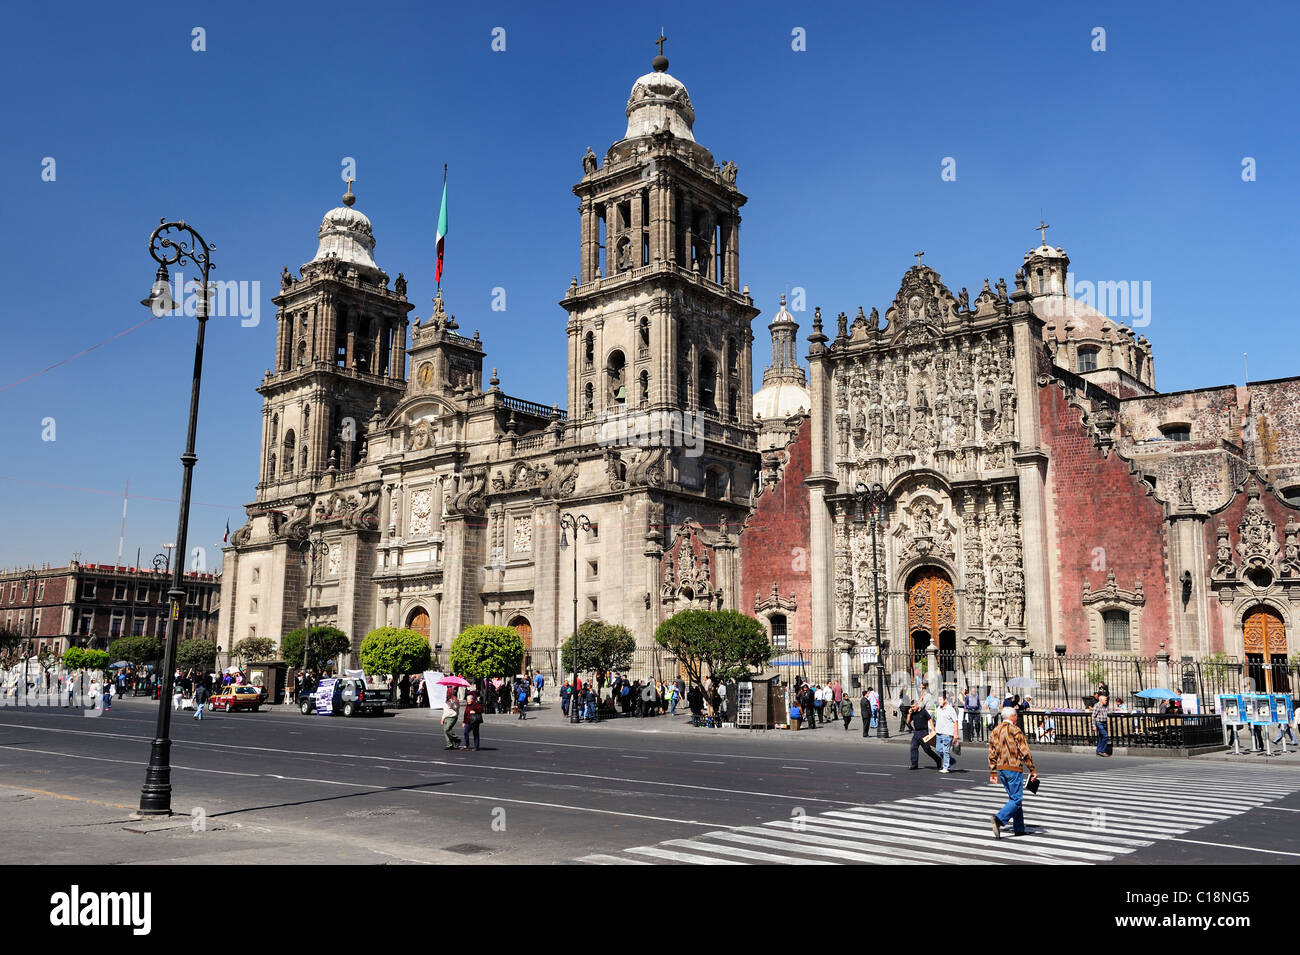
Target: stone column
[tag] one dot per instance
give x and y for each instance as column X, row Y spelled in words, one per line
column 353, row 319
column 1162, row 668
column 1027, row 662
column 688, row 234
column 933, row 678
column 435, row 621
column 670, row 223
column 399, row 349
column 636, row 225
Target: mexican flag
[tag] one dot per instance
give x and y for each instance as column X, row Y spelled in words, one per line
column 442, row 227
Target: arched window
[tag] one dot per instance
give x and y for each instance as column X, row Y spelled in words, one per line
column 645, row 388
column 708, row 382
column 643, row 330
column 275, row 430
column 614, row 371
column 1117, row 631
column 589, row 348
column 589, row 398
column 302, row 353
column 731, row 358
column 290, row 443
column 1087, row 359
column 272, row 468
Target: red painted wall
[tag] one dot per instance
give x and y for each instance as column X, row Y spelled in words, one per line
column 1095, row 502
column 774, row 545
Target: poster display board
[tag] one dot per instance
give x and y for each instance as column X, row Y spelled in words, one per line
column 437, row 694
column 325, row 696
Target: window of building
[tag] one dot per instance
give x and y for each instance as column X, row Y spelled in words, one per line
column 594, row 531
column 40, row 590
column 644, row 396
column 593, row 569
column 712, row 484
column 87, row 590
column 142, row 595
column 644, row 332
column 708, row 383
column 36, row 624
column 589, row 398
column 257, row 575
column 290, row 443
column 25, row 588
column 192, row 597
column 1087, row 359
column 137, row 627
column 1117, row 631
column 1292, row 495
column 1177, row 432
column 593, row 605
column 778, row 630
column 115, row 625
column 252, row 605
column 252, row 632
column 589, row 349
column 119, row 592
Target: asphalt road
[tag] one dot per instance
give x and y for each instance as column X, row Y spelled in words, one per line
column 280, row 787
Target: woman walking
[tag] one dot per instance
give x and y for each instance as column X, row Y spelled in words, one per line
column 473, row 719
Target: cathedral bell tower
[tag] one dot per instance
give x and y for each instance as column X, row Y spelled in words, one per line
column 340, row 355
column 658, row 319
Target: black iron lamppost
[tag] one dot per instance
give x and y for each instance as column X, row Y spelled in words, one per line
column 170, row 244
column 29, row 580
column 574, row 524
column 875, row 498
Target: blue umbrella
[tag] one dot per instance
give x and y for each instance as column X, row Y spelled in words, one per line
column 118, row 665
column 1158, row 693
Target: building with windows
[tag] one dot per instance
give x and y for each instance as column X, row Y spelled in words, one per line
column 90, row 605
column 1041, row 493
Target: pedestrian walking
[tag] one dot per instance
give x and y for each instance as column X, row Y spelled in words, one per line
column 1100, row 718
column 819, row 704
column 846, row 711
column 970, row 726
column 995, row 709
column 200, row 701
column 521, row 697
column 904, row 709
column 473, row 719
column 450, row 712
column 1009, row 760
column 945, row 727
column 868, row 714
column 837, row 697
column 539, row 682
column 566, row 691
column 918, row 718
column 873, row 698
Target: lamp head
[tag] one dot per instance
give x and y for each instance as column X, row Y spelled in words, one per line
column 159, row 300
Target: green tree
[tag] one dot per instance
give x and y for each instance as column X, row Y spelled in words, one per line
column 1094, row 674
column 482, row 652
column 12, row 647
column 394, row 650
column 136, row 649
column 74, row 658
column 721, row 644
column 326, row 644
column 196, row 654
column 600, row 646
column 94, row 659
column 252, row 649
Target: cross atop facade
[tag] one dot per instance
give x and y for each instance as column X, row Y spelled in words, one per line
column 661, row 41
column 350, row 182
column 918, row 258
column 1042, row 230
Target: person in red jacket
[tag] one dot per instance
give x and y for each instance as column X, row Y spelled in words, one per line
column 473, row 720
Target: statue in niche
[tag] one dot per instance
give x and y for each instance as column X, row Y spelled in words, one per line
column 963, row 301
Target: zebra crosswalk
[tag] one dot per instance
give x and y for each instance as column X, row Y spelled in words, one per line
column 1075, row 819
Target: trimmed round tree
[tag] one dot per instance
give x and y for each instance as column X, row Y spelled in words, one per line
column 251, row 649
column 721, row 644
column 395, row 650
column 94, row 659
column 326, row 644
column 196, row 654
column 136, row 649
column 74, row 658
column 483, row 652
column 599, row 647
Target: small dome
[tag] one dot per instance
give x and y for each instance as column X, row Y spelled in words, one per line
column 780, row 400
column 1045, row 251
column 1061, row 310
column 782, row 316
column 659, row 100
column 346, row 234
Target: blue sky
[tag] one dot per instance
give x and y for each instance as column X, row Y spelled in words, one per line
column 1134, row 155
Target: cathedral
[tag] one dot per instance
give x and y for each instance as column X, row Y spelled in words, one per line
column 1038, row 491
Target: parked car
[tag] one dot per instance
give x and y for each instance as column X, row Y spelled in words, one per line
column 237, row 697
column 352, row 695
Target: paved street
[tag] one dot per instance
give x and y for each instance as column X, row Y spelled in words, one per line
column 280, row 787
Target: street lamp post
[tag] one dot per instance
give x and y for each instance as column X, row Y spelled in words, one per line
column 170, row 244
column 574, row 524
column 29, row 581
column 875, row 498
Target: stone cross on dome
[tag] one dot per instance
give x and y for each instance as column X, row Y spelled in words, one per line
column 660, row 62
column 1042, row 230
column 918, row 258
column 348, row 197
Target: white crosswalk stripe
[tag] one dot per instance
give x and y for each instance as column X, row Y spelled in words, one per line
column 1075, row 819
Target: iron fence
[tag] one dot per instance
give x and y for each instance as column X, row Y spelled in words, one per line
column 1130, row 730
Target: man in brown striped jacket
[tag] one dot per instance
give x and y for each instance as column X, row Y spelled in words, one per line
column 1009, row 760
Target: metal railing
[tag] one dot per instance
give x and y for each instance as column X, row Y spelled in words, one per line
column 1127, row 730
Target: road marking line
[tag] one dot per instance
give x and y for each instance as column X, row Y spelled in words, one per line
column 659, row 853
column 1279, row 809
column 1225, row 845
column 802, row 769
column 53, row 795
column 874, row 774
column 710, row 762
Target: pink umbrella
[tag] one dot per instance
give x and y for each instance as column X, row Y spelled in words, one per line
column 454, row 681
